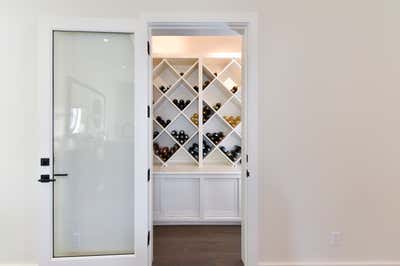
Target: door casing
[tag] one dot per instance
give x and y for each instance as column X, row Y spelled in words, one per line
column 248, row 22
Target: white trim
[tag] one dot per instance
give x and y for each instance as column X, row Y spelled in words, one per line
column 357, row 263
column 16, row 264
column 249, row 21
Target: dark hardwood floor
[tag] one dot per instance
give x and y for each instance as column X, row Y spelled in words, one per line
column 197, row 246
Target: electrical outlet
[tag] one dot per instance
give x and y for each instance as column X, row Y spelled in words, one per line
column 76, row 240
column 335, row 239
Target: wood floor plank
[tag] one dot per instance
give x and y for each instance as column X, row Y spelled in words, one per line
column 200, row 245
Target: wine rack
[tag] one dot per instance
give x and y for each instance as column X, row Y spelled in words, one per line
column 197, row 111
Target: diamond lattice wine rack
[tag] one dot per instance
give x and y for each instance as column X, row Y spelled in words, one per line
column 196, row 111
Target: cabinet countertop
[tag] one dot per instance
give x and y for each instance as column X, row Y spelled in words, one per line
column 189, row 169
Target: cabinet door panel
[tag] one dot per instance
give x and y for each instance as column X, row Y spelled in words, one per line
column 180, row 197
column 221, row 198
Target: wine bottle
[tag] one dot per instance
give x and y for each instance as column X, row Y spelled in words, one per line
column 217, row 106
column 205, row 84
column 194, row 151
column 161, row 121
column 195, row 119
column 207, row 112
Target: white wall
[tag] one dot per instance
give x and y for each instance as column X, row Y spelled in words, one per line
column 331, row 120
column 329, row 93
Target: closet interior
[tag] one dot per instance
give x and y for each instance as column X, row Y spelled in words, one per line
column 197, row 129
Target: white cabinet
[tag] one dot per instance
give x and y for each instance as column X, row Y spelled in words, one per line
column 196, row 198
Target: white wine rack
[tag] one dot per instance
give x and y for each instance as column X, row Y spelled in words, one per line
column 180, row 76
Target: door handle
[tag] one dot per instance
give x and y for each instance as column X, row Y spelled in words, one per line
column 46, row 179
column 61, row 174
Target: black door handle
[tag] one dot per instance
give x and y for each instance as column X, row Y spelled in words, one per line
column 46, row 179
column 60, row 175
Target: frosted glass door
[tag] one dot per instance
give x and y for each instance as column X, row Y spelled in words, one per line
column 93, row 143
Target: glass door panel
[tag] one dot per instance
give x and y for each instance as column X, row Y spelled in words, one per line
column 93, row 142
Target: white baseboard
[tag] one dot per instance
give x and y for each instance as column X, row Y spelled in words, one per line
column 375, row 263
column 357, row 263
column 18, row 264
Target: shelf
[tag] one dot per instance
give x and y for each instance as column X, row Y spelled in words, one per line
column 209, row 144
column 192, row 109
column 212, row 112
column 181, row 90
column 164, row 75
column 216, row 124
column 238, row 93
column 216, row 65
column 165, row 109
column 189, row 144
column 180, row 76
column 164, row 141
column 217, row 158
column 157, row 161
column 216, row 93
column 238, row 129
column 181, row 65
column 208, row 76
column 231, row 108
column 181, row 157
column 157, row 94
column 231, row 75
column 230, row 142
column 192, row 75
column 181, row 123
column 157, row 127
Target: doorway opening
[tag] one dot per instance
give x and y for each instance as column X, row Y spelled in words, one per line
column 198, row 140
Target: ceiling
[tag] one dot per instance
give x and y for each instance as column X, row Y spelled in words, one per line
column 210, row 46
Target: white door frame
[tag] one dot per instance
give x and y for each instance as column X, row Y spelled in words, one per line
column 46, row 26
column 248, row 22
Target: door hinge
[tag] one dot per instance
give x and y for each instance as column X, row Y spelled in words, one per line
column 148, row 175
column 148, row 238
column 247, row 173
column 247, row 158
column 148, row 48
column 148, row 111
